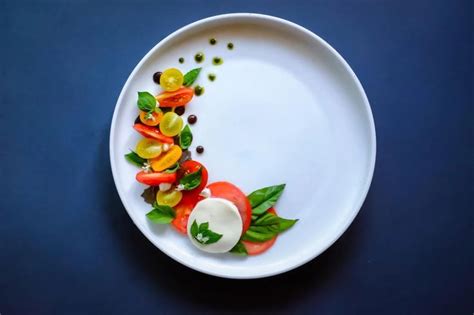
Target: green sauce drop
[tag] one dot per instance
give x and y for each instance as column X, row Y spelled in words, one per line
column 212, row 41
column 199, row 57
column 198, row 90
column 230, row 46
column 211, row 76
column 181, row 60
column 217, row 61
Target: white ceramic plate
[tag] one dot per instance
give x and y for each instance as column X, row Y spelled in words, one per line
column 285, row 108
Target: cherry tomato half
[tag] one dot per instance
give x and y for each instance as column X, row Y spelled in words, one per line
column 191, row 166
column 166, row 159
column 154, row 179
column 171, row 79
column 152, row 132
column 176, row 98
column 151, row 119
column 254, row 248
column 232, row 193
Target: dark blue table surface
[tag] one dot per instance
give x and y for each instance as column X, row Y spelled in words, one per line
column 67, row 245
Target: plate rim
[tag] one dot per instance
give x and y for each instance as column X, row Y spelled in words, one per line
column 373, row 142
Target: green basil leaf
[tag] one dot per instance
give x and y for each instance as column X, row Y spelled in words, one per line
column 239, row 249
column 192, row 180
column 134, row 158
column 266, row 219
column 255, row 236
column 149, row 194
column 172, row 169
column 263, row 199
column 212, row 237
column 266, row 227
column 146, row 102
column 203, row 227
column 191, row 76
column 203, row 235
column 194, row 229
column 185, row 138
column 285, row 224
column 161, row 214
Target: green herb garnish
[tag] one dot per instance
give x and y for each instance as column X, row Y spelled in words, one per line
column 135, row 159
column 191, row 181
column 203, row 235
column 191, row 76
column 263, row 199
column 146, row 102
column 161, row 214
column 185, row 137
column 267, row 227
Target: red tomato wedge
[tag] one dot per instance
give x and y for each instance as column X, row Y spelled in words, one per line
column 152, row 132
column 180, row 97
column 191, row 197
column 230, row 192
column 254, row 248
column 154, row 179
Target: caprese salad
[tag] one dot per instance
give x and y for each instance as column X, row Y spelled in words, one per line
column 216, row 217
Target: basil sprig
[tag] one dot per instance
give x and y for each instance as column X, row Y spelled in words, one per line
column 191, row 76
column 185, row 138
column 203, row 235
column 266, row 227
column 134, row 158
column 192, row 180
column 161, row 214
column 146, row 102
column 263, row 199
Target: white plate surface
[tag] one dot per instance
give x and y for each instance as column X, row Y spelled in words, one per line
column 285, row 108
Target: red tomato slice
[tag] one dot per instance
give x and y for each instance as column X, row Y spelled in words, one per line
column 154, row 179
column 183, row 210
column 254, row 248
column 180, row 97
column 152, row 132
column 230, row 192
column 191, row 197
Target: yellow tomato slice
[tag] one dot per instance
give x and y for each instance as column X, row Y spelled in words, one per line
column 167, row 159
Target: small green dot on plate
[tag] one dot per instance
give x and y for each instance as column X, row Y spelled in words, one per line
column 217, row 61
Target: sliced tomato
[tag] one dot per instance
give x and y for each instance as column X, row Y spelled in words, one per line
column 230, row 192
column 254, row 248
column 154, row 179
column 180, row 97
column 183, row 210
column 191, row 197
column 152, row 132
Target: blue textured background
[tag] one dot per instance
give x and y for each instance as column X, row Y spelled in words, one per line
column 67, row 245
